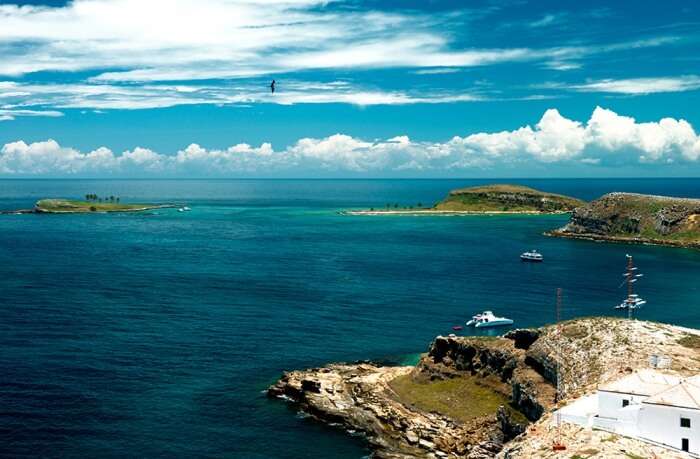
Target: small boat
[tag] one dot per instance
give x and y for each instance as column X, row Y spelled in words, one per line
column 457, row 328
column 487, row 319
column 184, row 209
column 631, row 303
column 533, row 256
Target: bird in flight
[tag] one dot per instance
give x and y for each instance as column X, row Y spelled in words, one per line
column 272, row 86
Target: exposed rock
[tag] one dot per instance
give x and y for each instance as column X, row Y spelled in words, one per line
column 587, row 352
column 637, row 218
column 510, row 426
column 523, row 337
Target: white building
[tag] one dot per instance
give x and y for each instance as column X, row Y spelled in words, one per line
column 647, row 404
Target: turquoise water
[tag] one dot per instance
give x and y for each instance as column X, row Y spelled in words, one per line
column 154, row 334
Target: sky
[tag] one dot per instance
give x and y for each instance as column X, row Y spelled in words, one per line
column 426, row 88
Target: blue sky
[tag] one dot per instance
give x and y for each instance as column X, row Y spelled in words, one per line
column 127, row 88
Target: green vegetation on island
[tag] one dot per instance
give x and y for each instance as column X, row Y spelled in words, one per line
column 506, row 198
column 487, row 199
column 92, row 205
column 630, row 217
column 462, row 398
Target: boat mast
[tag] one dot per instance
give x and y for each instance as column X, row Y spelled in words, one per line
column 630, row 298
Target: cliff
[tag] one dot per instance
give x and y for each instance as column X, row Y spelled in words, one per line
column 474, row 397
column 506, row 198
column 637, row 218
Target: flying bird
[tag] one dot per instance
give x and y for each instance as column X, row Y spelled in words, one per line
column 272, row 86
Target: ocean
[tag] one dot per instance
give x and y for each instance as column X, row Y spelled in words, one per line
column 155, row 334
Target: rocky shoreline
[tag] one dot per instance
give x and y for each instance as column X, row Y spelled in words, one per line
column 360, row 397
column 623, row 239
column 38, row 210
column 633, row 218
column 434, row 212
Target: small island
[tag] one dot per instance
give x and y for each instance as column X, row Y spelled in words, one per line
column 486, row 397
column 487, row 200
column 636, row 218
column 92, row 203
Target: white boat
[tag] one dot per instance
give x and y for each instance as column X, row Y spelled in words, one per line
column 487, row 319
column 532, row 255
column 631, row 303
column 184, row 209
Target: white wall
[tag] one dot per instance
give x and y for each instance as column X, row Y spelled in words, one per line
column 610, row 402
column 662, row 424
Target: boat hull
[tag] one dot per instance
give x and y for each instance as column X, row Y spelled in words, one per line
column 495, row 323
column 531, row 260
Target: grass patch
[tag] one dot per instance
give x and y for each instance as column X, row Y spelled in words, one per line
column 506, row 198
column 575, row 331
column 462, row 398
column 690, row 341
column 67, row 205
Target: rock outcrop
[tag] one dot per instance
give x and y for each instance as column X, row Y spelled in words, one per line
column 358, row 398
column 522, row 364
column 637, row 218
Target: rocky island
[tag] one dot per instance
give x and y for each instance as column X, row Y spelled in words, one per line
column 488, row 199
column 472, row 397
column 636, row 218
column 64, row 206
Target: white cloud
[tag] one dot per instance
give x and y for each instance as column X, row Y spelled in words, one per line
column 159, row 40
column 110, row 96
column 11, row 114
column 437, row 71
column 642, row 85
column 547, row 20
column 605, row 139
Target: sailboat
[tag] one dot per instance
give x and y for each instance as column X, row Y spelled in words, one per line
column 633, row 300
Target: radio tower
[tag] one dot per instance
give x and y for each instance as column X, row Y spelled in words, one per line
column 558, row 445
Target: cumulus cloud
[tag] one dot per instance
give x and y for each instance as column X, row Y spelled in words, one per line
column 607, row 138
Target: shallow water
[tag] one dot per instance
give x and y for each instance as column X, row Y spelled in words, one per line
column 155, row 334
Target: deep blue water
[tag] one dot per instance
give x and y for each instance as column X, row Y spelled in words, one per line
column 154, row 335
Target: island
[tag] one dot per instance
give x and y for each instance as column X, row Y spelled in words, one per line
column 71, row 206
column 485, row 397
column 636, row 218
column 485, row 200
